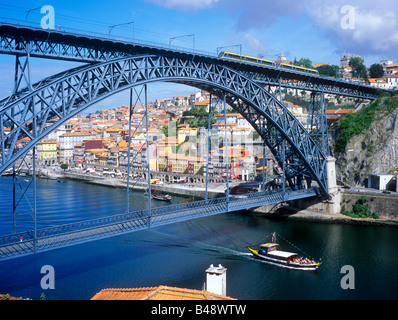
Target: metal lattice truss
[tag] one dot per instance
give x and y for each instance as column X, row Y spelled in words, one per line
column 317, row 121
column 41, row 43
column 52, row 44
column 34, row 114
column 312, row 83
column 24, row 243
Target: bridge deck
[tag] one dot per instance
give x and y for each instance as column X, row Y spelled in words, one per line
column 25, row 243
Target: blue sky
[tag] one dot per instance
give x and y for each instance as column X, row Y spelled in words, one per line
column 301, row 29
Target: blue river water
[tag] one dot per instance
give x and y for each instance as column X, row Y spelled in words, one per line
column 178, row 254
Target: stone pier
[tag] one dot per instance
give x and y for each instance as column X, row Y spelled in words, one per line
column 329, row 206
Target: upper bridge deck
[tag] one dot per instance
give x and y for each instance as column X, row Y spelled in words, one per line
column 61, row 45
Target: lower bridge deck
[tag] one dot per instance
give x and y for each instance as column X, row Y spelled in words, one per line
column 29, row 242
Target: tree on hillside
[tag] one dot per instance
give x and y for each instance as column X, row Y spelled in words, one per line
column 359, row 69
column 328, row 70
column 376, row 70
column 303, row 62
column 165, row 130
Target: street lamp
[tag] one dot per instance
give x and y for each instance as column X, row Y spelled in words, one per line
column 27, row 12
column 187, row 35
column 235, row 45
column 121, row 24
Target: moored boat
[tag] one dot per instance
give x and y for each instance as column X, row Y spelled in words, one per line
column 269, row 252
column 161, row 197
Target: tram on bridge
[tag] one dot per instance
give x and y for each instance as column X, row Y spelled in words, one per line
column 268, row 63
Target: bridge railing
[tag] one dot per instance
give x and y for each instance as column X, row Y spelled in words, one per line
column 107, row 37
column 71, row 227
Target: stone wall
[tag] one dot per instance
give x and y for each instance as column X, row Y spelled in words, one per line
column 385, row 205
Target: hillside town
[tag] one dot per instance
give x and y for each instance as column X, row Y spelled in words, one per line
column 387, row 80
column 98, row 142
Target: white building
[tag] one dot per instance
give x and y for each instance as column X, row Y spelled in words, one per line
column 295, row 110
column 392, row 66
column 379, row 83
column 392, row 81
column 233, row 118
column 379, row 181
column 385, row 63
column 67, row 143
column 195, row 97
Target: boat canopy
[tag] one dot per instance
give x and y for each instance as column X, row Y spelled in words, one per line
column 268, row 245
column 282, row 254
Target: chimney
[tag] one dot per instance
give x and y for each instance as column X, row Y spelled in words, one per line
column 216, row 280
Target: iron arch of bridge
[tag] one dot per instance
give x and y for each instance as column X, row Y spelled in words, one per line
column 58, row 98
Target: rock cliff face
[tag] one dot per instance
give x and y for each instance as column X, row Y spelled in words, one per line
column 375, row 150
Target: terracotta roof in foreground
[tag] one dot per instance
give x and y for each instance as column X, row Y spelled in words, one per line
column 157, row 293
column 8, row 297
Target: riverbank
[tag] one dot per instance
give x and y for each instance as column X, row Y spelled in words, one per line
column 294, row 214
column 198, row 192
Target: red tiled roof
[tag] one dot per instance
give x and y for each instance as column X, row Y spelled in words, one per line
column 339, row 111
column 8, row 297
column 157, row 293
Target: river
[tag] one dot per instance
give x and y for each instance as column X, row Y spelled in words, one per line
column 178, row 254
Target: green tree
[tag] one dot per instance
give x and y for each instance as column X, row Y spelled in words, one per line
column 355, row 123
column 165, row 130
column 328, row 70
column 64, row 166
column 230, row 110
column 361, row 209
column 376, row 70
column 359, row 69
column 304, row 62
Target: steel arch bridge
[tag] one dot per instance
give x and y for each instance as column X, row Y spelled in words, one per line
column 112, row 66
column 62, row 96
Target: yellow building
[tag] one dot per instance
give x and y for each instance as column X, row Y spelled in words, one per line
column 184, row 132
column 180, row 163
column 47, row 151
column 162, row 163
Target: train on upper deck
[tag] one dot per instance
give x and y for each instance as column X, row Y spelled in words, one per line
column 268, row 63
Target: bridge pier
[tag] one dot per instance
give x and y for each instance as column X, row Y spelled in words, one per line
column 328, row 206
column 333, row 205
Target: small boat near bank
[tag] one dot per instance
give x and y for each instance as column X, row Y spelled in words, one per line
column 269, row 252
column 161, row 197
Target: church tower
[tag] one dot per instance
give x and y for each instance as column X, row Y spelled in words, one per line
column 344, row 60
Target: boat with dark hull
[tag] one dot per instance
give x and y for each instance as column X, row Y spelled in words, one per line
column 161, row 197
column 269, row 253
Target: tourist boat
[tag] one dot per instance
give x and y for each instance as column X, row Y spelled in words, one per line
column 161, row 197
column 269, row 252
